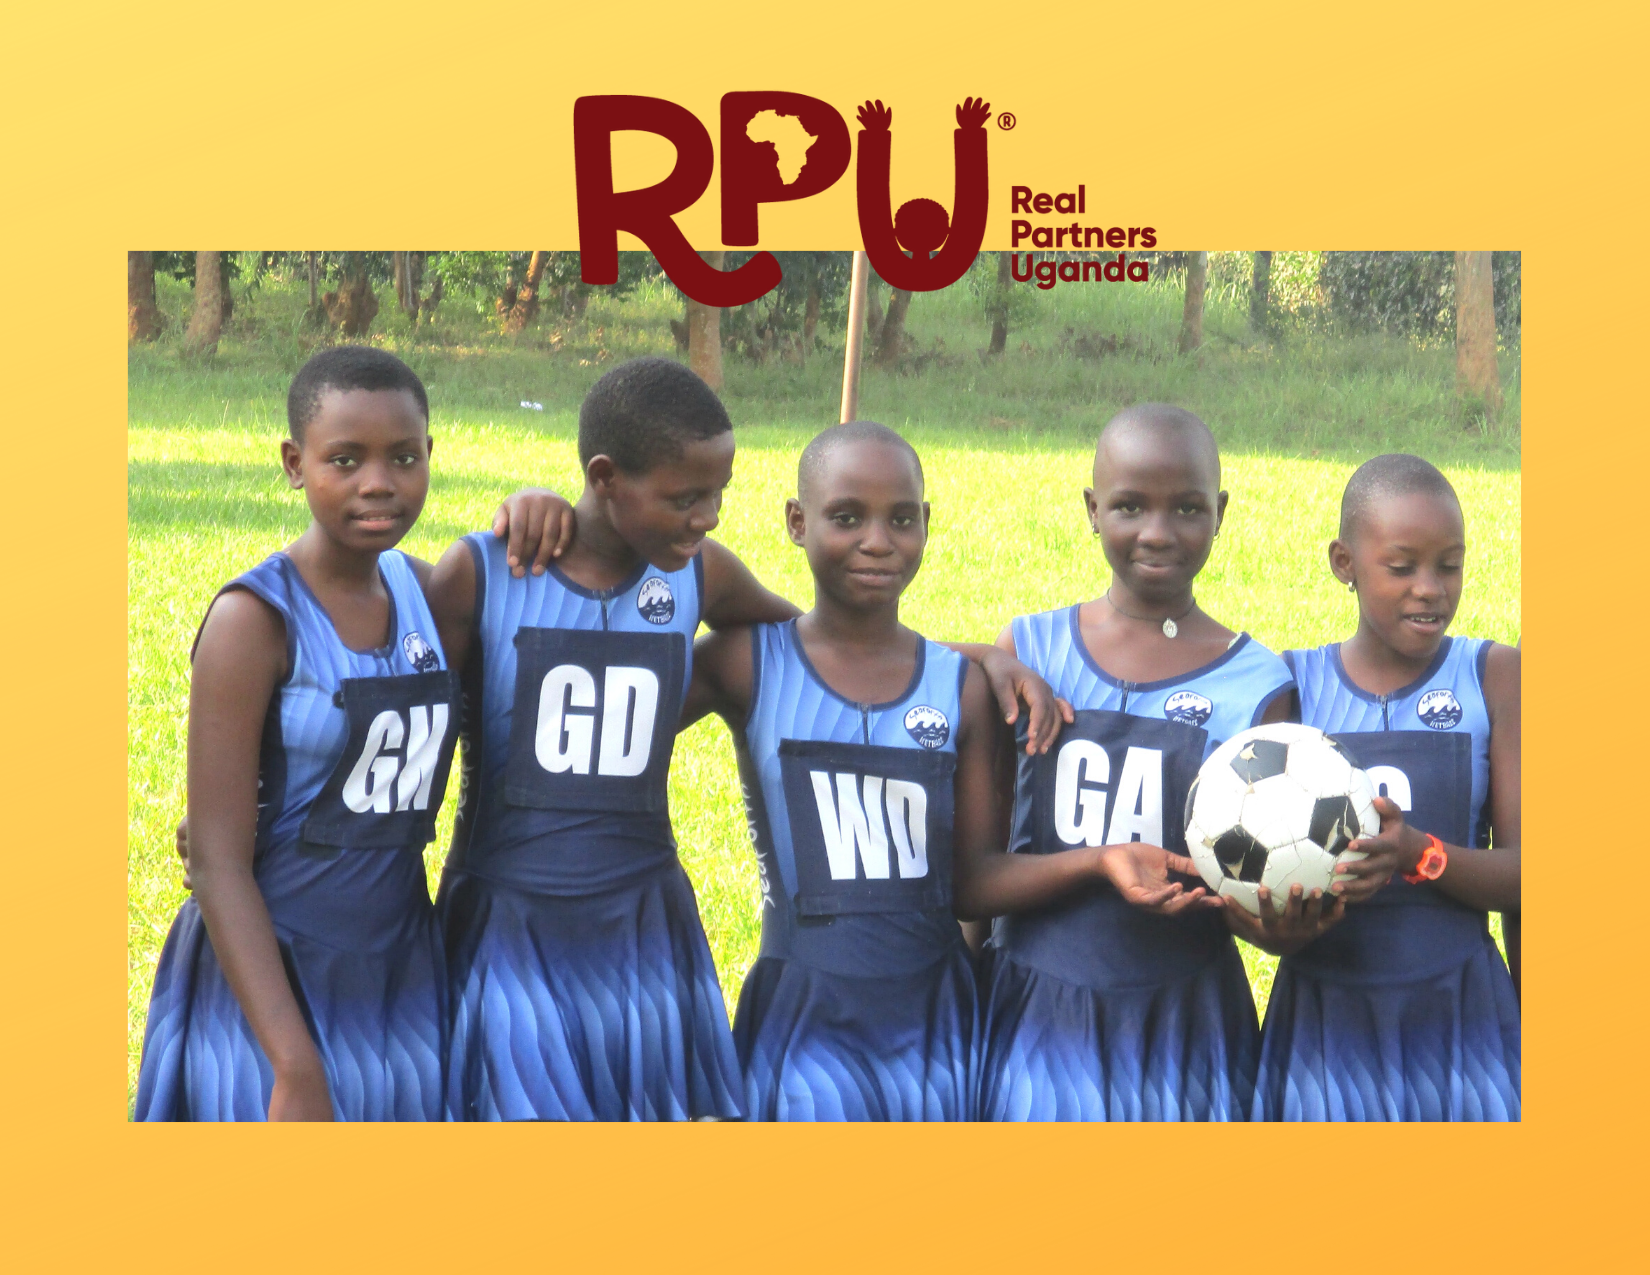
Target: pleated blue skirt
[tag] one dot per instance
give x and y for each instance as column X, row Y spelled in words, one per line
column 1441, row 1047
column 591, row 1007
column 377, row 1017
column 1179, row 1050
column 816, row 1045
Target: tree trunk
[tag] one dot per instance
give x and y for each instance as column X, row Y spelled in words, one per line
column 873, row 309
column 406, row 292
column 415, row 283
column 999, row 325
column 1260, row 293
column 207, row 320
column 226, row 299
column 810, row 314
column 526, row 305
column 316, row 315
column 704, row 324
column 428, row 304
column 892, row 335
column 353, row 307
column 506, row 299
column 143, row 320
column 1191, row 317
column 1476, row 375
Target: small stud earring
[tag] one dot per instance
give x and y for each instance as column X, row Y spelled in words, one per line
column 1351, row 586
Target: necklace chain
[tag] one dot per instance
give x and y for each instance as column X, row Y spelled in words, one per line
column 1170, row 628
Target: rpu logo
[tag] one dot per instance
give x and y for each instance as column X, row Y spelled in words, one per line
column 753, row 126
column 384, row 778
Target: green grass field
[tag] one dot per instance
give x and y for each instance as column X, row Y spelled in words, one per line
column 1006, row 446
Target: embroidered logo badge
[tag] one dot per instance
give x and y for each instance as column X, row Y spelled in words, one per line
column 420, row 654
column 1188, row 707
column 655, row 601
column 928, row 726
column 1440, row 709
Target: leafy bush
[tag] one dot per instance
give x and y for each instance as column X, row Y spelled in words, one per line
column 1411, row 293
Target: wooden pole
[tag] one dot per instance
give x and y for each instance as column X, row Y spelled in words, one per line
column 856, row 336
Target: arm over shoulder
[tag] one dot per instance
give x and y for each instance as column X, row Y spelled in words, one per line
column 451, row 592
column 734, row 596
column 724, row 677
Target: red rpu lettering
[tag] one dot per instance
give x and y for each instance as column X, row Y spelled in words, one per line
column 647, row 213
column 750, row 169
column 921, row 225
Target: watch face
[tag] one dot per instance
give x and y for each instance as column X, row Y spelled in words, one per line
column 1432, row 862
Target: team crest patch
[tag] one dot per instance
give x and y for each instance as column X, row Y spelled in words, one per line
column 420, row 654
column 655, row 601
column 1188, row 707
column 928, row 726
column 1440, row 709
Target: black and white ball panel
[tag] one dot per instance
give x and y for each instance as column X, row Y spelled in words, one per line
column 1275, row 806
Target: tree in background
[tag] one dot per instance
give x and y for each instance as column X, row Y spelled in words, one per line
column 704, row 327
column 354, row 305
column 784, row 323
column 407, row 270
column 1476, row 375
column 206, row 321
column 524, row 308
column 998, row 313
column 315, row 315
column 1004, row 304
column 1191, row 315
column 143, row 317
column 1260, row 289
column 1411, row 293
column 891, row 335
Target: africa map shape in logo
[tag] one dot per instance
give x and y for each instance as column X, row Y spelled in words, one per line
column 791, row 142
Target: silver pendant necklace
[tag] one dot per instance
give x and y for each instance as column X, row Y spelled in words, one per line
column 1170, row 628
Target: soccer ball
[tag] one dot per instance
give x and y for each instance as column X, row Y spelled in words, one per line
column 1273, row 806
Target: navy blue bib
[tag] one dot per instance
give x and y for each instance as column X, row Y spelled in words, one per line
column 387, row 786
column 594, row 719
column 1112, row 777
column 870, row 826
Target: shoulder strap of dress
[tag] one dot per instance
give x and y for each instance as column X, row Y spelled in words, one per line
column 269, row 583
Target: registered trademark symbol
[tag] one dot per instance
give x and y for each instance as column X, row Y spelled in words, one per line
column 1006, row 120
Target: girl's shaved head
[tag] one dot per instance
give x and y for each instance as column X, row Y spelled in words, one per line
column 1384, row 477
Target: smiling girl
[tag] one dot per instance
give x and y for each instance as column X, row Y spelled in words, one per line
column 1096, row 1009
column 1404, row 1010
column 303, row 980
column 866, row 756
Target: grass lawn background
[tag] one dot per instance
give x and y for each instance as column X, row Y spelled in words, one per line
column 1006, row 444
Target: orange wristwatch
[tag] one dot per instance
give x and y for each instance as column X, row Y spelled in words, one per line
column 1434, row 859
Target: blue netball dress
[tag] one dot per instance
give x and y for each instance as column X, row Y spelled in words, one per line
column 352, row 770
column 1095, row 1009
column 862, row 1003
column 1405, row 1010
column 583, row 987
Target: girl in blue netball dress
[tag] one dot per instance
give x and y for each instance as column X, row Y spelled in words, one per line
column 304, row 979
column 1095, row 1009
column 866, row 756
column 1404, row 1010
column 583, row 985
column 582, row 982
